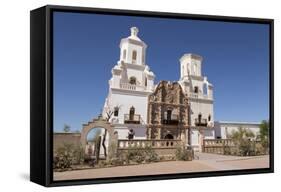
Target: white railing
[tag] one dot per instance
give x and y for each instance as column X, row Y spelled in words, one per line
column 139, row 143
column 199, row 96
column 129, row 86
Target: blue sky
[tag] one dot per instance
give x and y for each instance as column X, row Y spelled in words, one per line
column 86, row 47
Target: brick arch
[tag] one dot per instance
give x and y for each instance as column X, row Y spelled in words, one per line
column 96, row 123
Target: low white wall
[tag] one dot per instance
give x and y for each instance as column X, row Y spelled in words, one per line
column 223, row 129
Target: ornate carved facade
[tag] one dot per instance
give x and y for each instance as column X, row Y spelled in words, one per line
column 168, row 112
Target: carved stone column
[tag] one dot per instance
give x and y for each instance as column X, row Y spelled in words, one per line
column 159, row 114
column 149, row 114
column 159, row 133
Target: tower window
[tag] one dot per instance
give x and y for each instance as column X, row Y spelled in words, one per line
column 209, row 118
column 132, row 113
column 196, row 89
column 134, row 56
column 124, row 54
column 133, row 80
column 145, row 82
column 199, row 117
column 205, row 89
column 169, row 115
column 116, row 111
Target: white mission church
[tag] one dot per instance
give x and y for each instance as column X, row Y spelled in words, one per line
column 169, row 110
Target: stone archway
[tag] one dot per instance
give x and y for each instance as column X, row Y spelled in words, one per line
column 97, row 123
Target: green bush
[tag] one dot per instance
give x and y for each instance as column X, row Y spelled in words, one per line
column 242, row 138
column 135, row 155
column 140, row 155
column 183, row 154
column 67, row 155
column 227, row 150
column 63, row 157
column 259, row 149
column 78, row 154
column 150, row 154
column 116, row 161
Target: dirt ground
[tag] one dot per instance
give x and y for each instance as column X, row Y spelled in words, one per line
column 204, row 162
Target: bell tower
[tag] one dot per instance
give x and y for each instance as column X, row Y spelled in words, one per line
column 190, row 65
column 132, row 49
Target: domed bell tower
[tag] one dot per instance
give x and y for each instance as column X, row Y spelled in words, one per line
column 132, row 49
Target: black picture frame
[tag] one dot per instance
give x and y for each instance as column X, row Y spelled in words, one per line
column 41, row 107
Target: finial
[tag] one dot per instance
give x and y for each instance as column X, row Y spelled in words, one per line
column 134, row 31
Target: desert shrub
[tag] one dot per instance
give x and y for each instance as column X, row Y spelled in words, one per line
column 167, row 158
column 227, row 150
column 150, row 154
column 67, row 155
column 102, row 163
column 116, row 161
column 245, row 147
column 242, row 138
column 183, row 154
column 135, row 154
column 63, row 157
column 259, row 149
column 264, row 136
column 78, row 154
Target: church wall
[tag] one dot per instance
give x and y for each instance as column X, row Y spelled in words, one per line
column 122, row 129
column 136, row 73
column 60, row 139
column 194, row 137
column 204, row 108
column 209, row 133
column 126, row 102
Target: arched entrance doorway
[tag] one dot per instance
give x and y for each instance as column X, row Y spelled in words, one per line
column 169, row 136
column 103, row 138
column 96, row 143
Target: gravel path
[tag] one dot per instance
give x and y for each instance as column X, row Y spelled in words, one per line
column 206, row 162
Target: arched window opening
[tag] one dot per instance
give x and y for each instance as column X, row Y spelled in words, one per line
column 196, row 89
column 124, row 54
column 133, row 81
column 145, row 82
column 209, row 118
column 194, row 69
column 169, row 114
column 199, row 117
column 116, row 111
column 205, row 89
column 134, row 56
column 170, row 117
column 132, row 113
column 169, row 136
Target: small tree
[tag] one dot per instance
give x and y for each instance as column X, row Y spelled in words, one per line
column 109, row 112
column 242, row 138
column 66, row 128
column 183, row 154
column 264, row 134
